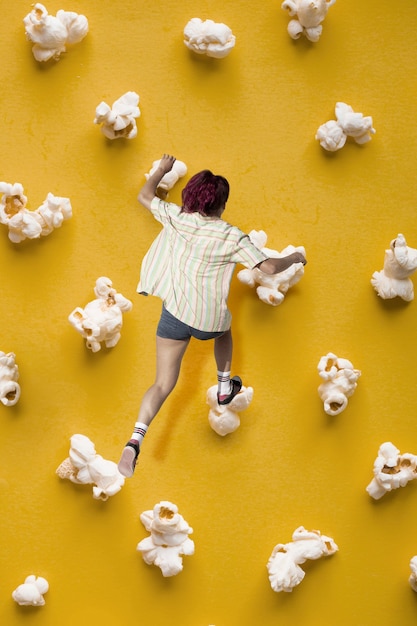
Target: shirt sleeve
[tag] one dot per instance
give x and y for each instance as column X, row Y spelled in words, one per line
column 162, row 211
column 247, row 253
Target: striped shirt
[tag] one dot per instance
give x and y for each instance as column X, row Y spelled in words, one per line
column 191, row 263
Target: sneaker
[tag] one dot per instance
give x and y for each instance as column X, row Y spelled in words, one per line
column 236, row 384
column 127, row 463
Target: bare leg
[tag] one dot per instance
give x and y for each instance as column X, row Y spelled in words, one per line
column 223, row 350
column 169, row 354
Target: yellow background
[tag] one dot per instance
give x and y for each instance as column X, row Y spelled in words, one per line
column 251, row 117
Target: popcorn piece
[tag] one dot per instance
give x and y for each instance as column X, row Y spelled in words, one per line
column 413, row 576
column 308, row 16
column 210, row 38
column 9, row 375
column 284, row 563
column 272, row 287
column 399, row 264
column 85, row 467
column 340, row 381
column 119, row 120
column 53, row 212
column 168, row 539
column 50, row 35
column 354, row 124
column 169, row 179
column 333, row 134
column 391, row 470
column 24, row 224
column 101, row 320
column 224, row 418
column 30, row 593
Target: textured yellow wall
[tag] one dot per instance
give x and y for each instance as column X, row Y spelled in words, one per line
column 251, row 117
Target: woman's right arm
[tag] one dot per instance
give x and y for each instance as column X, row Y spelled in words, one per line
column 148, row 191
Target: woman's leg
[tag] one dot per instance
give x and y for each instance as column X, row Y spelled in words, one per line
column 223, row 351
column 169, row 354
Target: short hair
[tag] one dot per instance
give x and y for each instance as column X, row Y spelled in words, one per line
column 205, row 193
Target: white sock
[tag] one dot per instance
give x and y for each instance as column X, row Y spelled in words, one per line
column 223, row 382
column 139, row 432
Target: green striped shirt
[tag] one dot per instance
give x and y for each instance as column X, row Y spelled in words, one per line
column 191, row 263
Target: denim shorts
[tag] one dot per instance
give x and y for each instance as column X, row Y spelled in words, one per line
column 170, row 327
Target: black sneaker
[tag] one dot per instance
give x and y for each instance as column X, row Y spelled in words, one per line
column 236, row 387
column 128, row 459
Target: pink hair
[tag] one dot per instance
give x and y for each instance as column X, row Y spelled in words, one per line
column 205, row 193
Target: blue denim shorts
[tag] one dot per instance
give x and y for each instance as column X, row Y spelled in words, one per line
column 170, row 327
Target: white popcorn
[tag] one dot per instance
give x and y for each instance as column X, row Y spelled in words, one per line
column 272, row 287
column 101, row 320
column 399, row 264
column 85, row 467
column 391, row 470
column 340, row 381
column 284, row 563
column 213, row 39
column 50, row 35
column 9, row 375
column 224, row 418
column 179, row 169
column 24, row 224
column 413, row 576
column 308, row 16
column 168, row 540
column 119, row 120
column 53, row 212
column 333, row 134
column 30, row 593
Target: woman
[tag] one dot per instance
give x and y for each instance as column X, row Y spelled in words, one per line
column 190, row 266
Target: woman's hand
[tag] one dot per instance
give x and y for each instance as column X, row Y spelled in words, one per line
column 149, row 189
column 299, row 258
column 166, row 163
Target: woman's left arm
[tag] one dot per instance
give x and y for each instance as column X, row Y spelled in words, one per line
column 148, row 191
column 274, row 265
